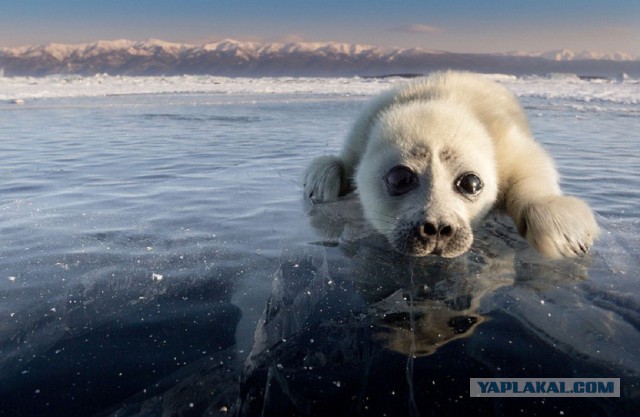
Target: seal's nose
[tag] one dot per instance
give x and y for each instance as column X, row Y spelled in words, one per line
column 441, row 231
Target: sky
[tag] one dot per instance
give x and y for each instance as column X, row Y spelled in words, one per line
column 453, row 25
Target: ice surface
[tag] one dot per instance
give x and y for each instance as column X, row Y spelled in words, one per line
column 103, row 85
column 156, row 257
column 565, row 86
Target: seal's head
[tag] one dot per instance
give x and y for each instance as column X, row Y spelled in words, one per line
column 428, row 175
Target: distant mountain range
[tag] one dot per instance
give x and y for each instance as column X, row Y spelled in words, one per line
column 234, row 58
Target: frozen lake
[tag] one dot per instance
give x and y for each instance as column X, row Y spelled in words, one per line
column 156, row 256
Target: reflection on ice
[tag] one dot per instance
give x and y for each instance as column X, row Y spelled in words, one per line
column 335, row 310
column 419, row 304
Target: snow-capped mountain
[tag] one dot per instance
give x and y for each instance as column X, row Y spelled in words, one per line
column 235, row 58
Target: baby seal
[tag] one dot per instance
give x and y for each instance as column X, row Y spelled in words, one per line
column 431, row 158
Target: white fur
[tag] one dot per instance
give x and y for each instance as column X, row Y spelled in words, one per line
column 440, row 128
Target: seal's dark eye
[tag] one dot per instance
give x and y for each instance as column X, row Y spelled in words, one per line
column 400, row 180
column 469, row 184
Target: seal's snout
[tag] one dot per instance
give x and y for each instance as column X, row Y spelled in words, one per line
column 447, row 237
column 436, row 235
column 441, row 231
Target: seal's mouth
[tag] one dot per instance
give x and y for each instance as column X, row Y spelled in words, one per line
column 414, row 242
column 436, row 253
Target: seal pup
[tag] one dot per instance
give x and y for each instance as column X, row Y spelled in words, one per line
column 431, row 158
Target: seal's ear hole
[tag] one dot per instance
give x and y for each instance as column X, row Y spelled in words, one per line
column 400, row 180
column 469, row 184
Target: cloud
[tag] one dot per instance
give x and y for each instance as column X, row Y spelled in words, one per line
column 417, row 28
